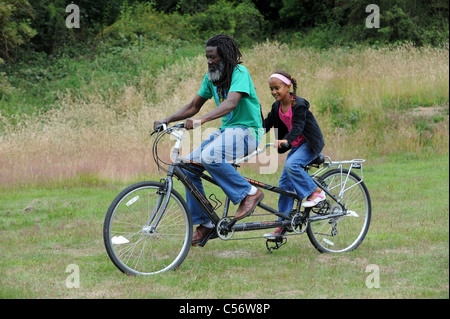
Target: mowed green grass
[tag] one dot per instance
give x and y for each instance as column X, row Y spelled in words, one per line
column 45, row 229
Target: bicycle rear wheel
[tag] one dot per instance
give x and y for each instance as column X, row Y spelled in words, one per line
column 135, row 247
column 344, row 233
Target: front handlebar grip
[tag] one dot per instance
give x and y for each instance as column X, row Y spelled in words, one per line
column 159, row 128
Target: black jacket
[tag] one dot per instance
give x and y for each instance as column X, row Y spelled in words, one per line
column 304, row 123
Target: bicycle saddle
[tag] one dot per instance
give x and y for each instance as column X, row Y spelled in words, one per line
column 318, row 160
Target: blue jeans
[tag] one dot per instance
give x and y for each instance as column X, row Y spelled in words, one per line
column 294, row 177
column 215, row 153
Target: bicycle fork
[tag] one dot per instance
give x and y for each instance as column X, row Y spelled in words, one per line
column 160, row 206
column 164, row 198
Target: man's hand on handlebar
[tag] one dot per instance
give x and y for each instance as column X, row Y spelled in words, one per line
column 157, row 124
column 188, row 124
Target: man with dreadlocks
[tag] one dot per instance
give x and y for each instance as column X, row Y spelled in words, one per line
column 230, row 84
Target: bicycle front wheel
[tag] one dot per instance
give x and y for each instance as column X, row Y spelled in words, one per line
column 134, row 245
column 344, row 233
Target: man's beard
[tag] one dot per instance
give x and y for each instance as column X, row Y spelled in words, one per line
column 217, row 74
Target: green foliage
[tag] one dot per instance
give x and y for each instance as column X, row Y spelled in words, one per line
column 343, row 22
column 141, row 23
column 333, row 103
column 40, row 25
column 243, row 21
column 50, row 23
column 182, row 6
column 303, row 14
column 15, row 28
column 40, row 57
column 27, row 88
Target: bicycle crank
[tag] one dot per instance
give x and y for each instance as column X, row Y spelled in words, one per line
column 223, row 228
column 297, row 224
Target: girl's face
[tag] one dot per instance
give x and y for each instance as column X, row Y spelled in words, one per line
column 279, row 89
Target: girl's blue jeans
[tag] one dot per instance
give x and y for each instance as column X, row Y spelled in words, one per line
column 294, row 177
column 215, row 155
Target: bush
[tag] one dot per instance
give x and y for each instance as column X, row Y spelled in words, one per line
column 142, row 23
column 15, row 27
column 343, row 23
column 243, row 22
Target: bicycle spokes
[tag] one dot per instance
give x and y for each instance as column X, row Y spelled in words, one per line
column 138, row 248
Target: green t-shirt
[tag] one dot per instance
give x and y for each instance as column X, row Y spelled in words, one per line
column 247, row 113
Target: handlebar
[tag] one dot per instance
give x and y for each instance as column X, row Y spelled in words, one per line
column 159, row 128
column 164, row 126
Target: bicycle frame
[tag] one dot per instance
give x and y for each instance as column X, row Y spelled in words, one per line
column 155, row 234
column 177, row 171
column 180, row 164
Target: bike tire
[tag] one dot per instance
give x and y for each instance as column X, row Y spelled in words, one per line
column 131, row 247
column 345, row 233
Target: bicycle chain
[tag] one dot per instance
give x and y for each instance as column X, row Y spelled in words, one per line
column 259, row 237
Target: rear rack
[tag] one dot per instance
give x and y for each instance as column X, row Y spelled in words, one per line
column 341, row 165
column 351, row 164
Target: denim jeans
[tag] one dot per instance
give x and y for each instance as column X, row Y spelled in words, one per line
column 215, row 153
column 294, row 177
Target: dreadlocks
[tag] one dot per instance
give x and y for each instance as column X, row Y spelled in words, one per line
column 231, row 56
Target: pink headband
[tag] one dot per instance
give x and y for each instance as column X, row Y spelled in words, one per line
column 281, row 77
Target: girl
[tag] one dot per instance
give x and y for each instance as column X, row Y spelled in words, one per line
column 294, row 124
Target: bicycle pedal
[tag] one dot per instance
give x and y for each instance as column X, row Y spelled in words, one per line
column 278, row 243
column 211, row 235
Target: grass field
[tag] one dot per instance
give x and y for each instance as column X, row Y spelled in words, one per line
column 46, row 229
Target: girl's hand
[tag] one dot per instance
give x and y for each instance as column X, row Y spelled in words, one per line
column 277, row 143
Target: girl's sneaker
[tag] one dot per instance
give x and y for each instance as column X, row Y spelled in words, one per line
column 274, row 234
column 313, row 202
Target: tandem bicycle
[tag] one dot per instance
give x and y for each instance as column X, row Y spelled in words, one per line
column 148, row 227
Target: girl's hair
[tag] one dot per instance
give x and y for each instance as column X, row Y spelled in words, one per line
column 231, row 56
column 294, row 84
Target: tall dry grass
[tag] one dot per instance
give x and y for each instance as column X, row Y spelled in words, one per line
column 107, row 136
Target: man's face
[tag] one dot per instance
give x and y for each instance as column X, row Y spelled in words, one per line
column 215, row 64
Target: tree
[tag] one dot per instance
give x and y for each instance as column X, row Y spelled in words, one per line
column 242, row 21
column 303, row 14
column 15, row 29
column 50, row 22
